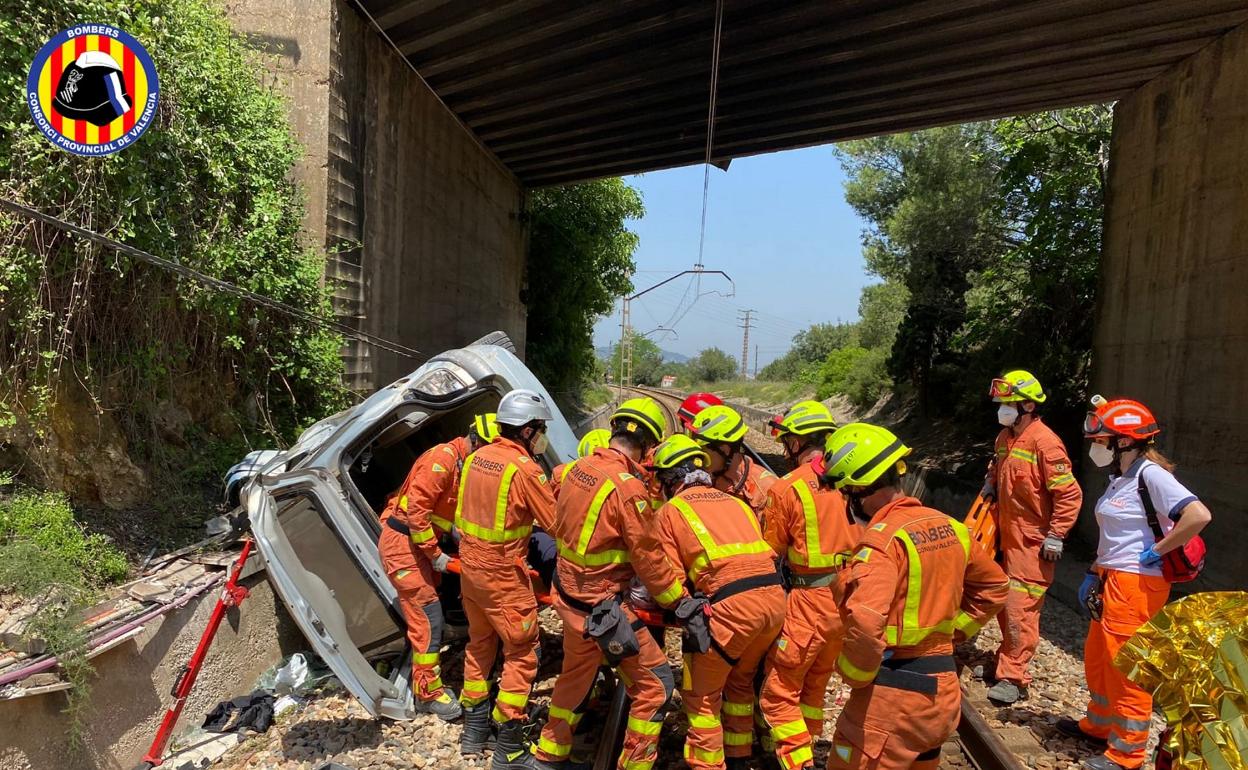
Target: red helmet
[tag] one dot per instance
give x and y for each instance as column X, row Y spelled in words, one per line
column 695, row 403
column 1120, row 417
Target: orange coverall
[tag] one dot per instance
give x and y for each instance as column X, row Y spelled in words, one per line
column 714, row 537
column 1119, row 710
column 808, row 524
column 502, row 492
column 604, row 527
column 747, row 480
column 903, row 707
column 424, row 506
column 1037, row 495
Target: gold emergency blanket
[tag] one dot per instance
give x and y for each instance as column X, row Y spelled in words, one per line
column 1193, row 656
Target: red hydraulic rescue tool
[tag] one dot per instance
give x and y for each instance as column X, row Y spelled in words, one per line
column 232, row 595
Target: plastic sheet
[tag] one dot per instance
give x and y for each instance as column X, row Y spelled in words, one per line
column 1193, row 657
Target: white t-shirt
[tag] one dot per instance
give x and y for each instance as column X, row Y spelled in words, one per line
column 1120, row 515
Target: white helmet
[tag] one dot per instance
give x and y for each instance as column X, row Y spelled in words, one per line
column 521, row 407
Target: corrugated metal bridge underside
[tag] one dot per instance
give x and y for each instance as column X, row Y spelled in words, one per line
column 568, row 90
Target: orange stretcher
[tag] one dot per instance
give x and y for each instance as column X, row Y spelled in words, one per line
column 981, row 521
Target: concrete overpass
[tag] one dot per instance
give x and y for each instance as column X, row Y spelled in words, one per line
column 425, row 129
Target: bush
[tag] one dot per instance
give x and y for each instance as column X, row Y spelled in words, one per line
column 41, row 544
column 857, row 373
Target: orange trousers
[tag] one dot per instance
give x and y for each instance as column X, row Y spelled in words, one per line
column 501, row 610
column 886, row 728
column 1118, row 710
column 413, row 579
column 722, row 681
column 1020, row 630
column 646, row 677
column 799, row 667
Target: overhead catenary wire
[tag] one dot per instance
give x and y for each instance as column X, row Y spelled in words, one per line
column 203, row 279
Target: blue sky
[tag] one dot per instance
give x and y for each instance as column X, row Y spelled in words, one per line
column 777, row 224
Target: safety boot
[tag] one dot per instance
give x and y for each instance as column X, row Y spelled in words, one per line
column 1101, row 762
column 445, row 707
column 1006, row 692
column 1071, row 729
column 476, row 735
column 511, row 748
column 737, row 763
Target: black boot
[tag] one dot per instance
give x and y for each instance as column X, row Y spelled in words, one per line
column 511, row 749
column 476, row 735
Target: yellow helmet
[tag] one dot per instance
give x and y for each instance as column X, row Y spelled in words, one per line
column 802, row 419
column 642, row 412
column 484, row 427
column 680, row 449
column 1018, row 385
column 595, row 439
column 858, row 454
column 718, row 424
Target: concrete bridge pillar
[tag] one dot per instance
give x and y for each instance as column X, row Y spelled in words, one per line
column 1172, row 320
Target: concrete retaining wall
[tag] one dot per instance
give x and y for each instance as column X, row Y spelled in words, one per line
column 424, row 226
column 130, row 691
column 1172, row 322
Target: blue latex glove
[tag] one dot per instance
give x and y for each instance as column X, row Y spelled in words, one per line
column 1149, row 557
column 1085, row 588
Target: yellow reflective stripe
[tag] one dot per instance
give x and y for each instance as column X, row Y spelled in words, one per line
column 966, row 624
column 1022, row 454
column 637, row 764
column 476, row 685
column 715, row 757
column 914, row 590
column 423, row 536
column 737, row 739
column 738, row 709
column 425, row 658
column 853, row 672
column 567, row 715
column 591, row 518
column 435, row 684
column 1061, row 480
column 563, row 475
column 517, row 699
column 713, row 551
column 441, row 523
column 816, row 557
column 964, row 537
column 812, row 712
column 598, row 559
column 704, row 721
column 403, row 503
column 789, row 729
column 556, row 750
column 644, row 726
column 1027, row 588
column 497, row 534
column 672, row 593
column 500, row 505
column 800, row 757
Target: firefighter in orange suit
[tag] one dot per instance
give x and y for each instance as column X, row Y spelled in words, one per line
column 808, row 524
column 503, row 492
column 606, row 536
column 594, row 439
column 714, row 538
column 1038, row 501
column 915, row 586
column 423, row 509
column 721, row 432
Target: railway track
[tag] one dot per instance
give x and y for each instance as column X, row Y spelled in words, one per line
column 981, row 746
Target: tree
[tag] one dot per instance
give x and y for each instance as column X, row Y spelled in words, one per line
column 580, row 261
column 881, row 307
column 647, row 360
column 712, row 365
column 814, row 344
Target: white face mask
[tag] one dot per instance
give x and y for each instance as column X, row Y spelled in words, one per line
column 540, row 444
column 1100, row 454
column 1007, row 414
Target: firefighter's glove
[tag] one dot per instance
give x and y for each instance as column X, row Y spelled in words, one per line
column 989, row 490
column 440, row 563
column 1086, row 589
column 1052, row 548
column 694, row 613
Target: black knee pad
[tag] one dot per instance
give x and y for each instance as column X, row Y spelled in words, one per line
column 433, row 611
column 664, row 674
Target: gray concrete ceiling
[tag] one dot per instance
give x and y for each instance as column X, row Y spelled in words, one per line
column 569, row 90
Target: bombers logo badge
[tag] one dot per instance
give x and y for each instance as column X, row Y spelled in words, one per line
column 92, row 90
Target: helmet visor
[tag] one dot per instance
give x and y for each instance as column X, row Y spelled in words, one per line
column 1093, row 425
column 776, row 425
column 1001, row 388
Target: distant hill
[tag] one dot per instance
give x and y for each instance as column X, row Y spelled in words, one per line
column 669, row 356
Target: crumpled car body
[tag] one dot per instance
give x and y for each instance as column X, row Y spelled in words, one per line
column 314, row 508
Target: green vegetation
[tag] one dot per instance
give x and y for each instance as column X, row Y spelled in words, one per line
column 712, row 365
column 756, row 391
column 647, row 361
column 209, row 185
column 580, row 261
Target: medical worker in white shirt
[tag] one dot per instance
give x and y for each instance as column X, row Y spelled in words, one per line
column 1127, row 573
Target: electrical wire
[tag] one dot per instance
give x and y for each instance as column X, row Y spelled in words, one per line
column 710, row 122
column 182, row 271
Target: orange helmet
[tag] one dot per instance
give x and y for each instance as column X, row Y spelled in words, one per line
column 695, row 403
column 1120, row 417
